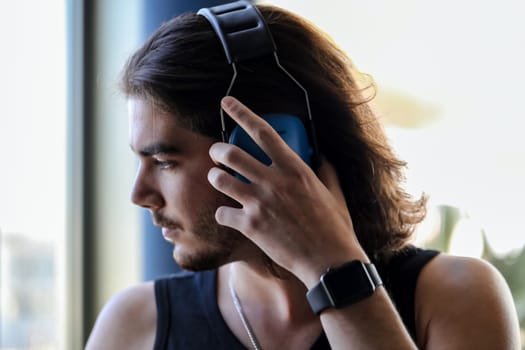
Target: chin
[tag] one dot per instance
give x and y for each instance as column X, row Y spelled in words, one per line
column 202, row 260
column 207, row 245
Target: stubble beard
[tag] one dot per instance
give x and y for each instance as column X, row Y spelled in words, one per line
column 219, row 243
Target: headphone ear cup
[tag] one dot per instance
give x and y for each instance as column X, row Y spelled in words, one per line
column 291, row 130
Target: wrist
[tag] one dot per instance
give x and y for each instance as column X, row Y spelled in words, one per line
column 311, row 274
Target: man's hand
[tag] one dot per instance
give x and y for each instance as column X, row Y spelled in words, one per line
column 299, row 220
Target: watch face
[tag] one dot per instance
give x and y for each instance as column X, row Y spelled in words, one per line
column 348, row 283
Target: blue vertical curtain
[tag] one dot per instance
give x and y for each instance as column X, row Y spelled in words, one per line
column 157, row 253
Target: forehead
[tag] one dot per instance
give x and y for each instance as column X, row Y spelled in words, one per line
column 149, row 125
column 143, row 114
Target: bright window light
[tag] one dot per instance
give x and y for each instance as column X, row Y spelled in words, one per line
column 32, row 174
column 450, row 77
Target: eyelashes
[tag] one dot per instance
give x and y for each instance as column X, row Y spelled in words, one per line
column 164, row 164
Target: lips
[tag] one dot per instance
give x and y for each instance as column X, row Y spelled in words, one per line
column 169, row 234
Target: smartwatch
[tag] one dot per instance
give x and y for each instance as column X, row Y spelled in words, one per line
column 343, row 286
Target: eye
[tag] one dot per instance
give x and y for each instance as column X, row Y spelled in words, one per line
column 164, row 164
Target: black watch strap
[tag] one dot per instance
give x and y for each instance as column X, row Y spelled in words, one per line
column 344, row 286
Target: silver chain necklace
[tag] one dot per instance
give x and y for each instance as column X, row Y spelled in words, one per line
column 246, row 324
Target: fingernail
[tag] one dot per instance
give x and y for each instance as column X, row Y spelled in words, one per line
column 227, row 102
column 212, row 174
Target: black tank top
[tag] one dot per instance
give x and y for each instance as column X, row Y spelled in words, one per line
column 188, row 316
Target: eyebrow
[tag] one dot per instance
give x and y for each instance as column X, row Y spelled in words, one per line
column 157, row 148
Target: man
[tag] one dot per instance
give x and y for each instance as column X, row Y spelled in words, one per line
column 260, row 246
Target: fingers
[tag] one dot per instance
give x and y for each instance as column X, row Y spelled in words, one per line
column 238, row 160
column 228, row 184
column 231, row 217
column 259, row 130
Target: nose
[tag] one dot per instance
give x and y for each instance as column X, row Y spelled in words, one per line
column 145, row 192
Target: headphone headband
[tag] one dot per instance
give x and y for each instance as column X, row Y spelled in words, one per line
column 241, row 29
column 244, row 35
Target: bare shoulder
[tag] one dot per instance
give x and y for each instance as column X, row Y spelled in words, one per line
column 127, row 321
column 464, row 303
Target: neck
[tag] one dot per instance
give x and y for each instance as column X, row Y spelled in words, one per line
column 258, row 287
column 275, row 307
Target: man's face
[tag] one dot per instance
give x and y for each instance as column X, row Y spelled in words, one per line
column 172, row 183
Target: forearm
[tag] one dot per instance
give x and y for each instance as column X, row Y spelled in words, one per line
column 372, row 323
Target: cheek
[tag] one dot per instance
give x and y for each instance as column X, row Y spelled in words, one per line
column 189, row 190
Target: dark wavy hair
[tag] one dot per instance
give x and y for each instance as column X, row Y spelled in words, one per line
column 182, row 70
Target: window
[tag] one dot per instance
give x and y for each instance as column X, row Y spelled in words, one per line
column 33, row 180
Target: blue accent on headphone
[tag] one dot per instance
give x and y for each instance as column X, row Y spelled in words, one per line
column 289, row 127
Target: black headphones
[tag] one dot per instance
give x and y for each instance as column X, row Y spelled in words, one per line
column 244, row 35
